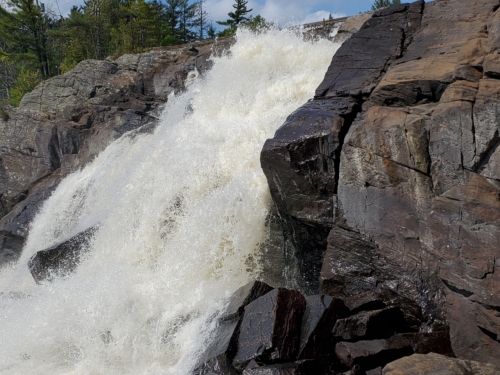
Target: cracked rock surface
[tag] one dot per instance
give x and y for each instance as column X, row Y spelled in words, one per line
column 391, row 174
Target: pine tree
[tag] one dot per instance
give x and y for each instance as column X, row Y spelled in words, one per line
column 238, row 16
column 384, row 3
column 201, row 20
column 24, row 31
column 211, row 32
column 187, row 14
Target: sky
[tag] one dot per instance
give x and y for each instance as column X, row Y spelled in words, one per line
column 281, row 11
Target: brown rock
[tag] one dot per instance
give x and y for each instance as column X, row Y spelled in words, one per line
column 434, row 364
column 371, row 324
column 491, row 65
column 377, row 353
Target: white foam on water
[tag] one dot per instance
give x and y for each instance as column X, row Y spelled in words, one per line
column 181, row 215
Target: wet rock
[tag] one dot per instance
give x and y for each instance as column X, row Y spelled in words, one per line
column 217, row 360
column 321, row 314
column 294, row 368
column 60, row 260
column 377, row 353
column 364, row 302
column 270, row 329
column 434, row 364
column 371, row 324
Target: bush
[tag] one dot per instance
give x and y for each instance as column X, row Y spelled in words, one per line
column 4, row 115
column 26, row 81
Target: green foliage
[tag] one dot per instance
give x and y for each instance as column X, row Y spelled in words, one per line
column 4, row 115
column 24, row 29
column 26, row 81
column 257, row 24
column 384, row 3
column 238, row 16
column 211, row 32
column 36, row 45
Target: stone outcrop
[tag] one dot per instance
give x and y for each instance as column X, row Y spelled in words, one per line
column 280, row 332
column 67, row 120
column 388, row 182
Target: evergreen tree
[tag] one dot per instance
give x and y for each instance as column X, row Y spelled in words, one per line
column 211, row 32
column 257, row 24
column 187, row 14
column 201, row 20
column 24, row 32
column 384, row 3
column 238, row 16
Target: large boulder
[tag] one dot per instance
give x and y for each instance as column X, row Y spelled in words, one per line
column 435, row 364
column 62, row 259
column 270, row 329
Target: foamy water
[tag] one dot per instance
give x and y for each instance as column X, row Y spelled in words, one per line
column 181, row 215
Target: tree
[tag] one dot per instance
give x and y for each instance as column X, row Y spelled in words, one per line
column 238, row 16
column 211, row 32
column 201, row 20
column 24, row 31
column 257, row 24
column 384, row 3
column 187, row 14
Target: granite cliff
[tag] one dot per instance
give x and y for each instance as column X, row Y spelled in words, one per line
column 391, row 173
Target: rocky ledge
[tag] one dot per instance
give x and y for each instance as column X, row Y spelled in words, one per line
column 388, row 182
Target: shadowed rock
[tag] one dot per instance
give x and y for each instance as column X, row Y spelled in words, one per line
column 270, row 329
column 62, row 259
column 377, row 353
column 217, row 360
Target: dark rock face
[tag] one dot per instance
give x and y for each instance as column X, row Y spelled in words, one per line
column 219, row 357
column 66, row 121
column 397, row 159
column 282, row 332
column 270, row 328
column 60, row 260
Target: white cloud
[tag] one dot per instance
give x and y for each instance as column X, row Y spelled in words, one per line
column 320, row 16
column 280, row 11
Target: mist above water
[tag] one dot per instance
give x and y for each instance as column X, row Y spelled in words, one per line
column 180, row 215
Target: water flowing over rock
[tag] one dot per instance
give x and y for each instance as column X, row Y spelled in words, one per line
column 68, row 120
column 391, row 174
column 180, row 209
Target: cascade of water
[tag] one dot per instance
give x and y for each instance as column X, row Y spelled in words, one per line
column 181, row 214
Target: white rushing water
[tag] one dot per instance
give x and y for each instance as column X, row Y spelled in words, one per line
column 181, row 215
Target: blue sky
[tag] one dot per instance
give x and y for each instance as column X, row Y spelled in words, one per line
column 285, row 11
column 282, row 11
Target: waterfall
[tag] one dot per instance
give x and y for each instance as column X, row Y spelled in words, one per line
column 180, row 216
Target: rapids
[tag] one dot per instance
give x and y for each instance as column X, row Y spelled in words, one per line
column 181, row 214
